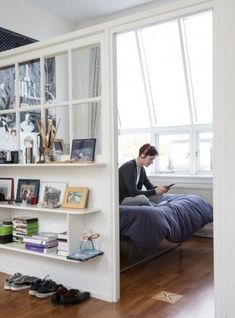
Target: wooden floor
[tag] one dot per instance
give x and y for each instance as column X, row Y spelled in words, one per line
column 187, row 270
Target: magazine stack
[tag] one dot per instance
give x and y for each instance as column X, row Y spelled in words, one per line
column 24, row 226
column 63, row 244
column 44, row 242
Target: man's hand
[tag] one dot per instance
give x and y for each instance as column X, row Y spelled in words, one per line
column 161, row 190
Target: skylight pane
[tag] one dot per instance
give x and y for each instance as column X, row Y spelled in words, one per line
column 198, row 31
column 166, row 73
column 132, row 104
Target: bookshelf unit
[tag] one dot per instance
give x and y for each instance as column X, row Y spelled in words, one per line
column 10, row 210
column 78, row 109
column 74, row 221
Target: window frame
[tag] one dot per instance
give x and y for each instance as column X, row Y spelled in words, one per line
column 193, row 128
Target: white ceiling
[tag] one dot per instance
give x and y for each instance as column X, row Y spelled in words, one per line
column 79, row 11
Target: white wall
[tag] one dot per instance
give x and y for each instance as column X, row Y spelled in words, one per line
column 123, row 13
column 224, row 176
column 29, row 20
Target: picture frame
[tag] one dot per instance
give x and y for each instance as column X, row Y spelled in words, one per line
column 59, row 146
column 26, row 189
column 52, row 193
column 75, row 197
column 6, row 189
column 83, row 149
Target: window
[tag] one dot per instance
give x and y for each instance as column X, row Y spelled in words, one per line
column 61, row 87
column 164, row 93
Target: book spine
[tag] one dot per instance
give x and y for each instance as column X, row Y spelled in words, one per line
column 34, row 241
column 40, row 245
column 44, row 238
column 63, row 245
column 34, row 248
column 16, row 233
column 24, row 222
column 40, row 249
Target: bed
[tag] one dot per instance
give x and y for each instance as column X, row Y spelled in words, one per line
column 175, row 219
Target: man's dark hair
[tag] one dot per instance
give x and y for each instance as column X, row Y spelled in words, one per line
column 147, row 150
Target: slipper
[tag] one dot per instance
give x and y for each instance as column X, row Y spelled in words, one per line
column 73, row 296
column 55, row 298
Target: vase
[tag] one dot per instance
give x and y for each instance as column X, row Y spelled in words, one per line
column 47, row 153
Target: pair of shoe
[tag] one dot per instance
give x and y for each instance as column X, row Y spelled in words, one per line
column 64, row 297
column 23, row 282
column 18, row 282
column 9, row 281
column 43, row 288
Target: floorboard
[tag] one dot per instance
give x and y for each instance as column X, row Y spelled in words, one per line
column 187, row 270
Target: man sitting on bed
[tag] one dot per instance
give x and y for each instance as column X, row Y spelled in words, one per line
column 132, row 177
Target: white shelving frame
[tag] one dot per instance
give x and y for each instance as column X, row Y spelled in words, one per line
column 97, row 275
column 39, row 209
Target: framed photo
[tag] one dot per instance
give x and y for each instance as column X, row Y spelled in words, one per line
column 52, row 193
column 83, row 149
column 75, row 198
column 26, row 189
column 6, row 189
column 59, row 146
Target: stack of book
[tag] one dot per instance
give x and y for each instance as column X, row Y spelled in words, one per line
column 24, row 226
column 44, row 242
column 63, row 243
column 6, row 229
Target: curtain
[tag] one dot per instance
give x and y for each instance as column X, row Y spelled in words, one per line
column 94, row 108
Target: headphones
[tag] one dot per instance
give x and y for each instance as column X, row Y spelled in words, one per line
column 144, row 154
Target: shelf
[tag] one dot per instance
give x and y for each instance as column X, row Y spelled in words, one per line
column 18, row 206
column 55, row 164
column 13, row 248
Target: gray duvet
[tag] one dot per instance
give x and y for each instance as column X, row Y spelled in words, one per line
column 176, row 219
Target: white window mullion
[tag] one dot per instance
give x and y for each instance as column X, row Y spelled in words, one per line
column 187, row 72
column 145, row 76
column 156, row 142
column 194, row 151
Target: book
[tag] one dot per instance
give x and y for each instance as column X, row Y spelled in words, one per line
column 24, row 219
column 5, row 230
column 26, row 231
column 40, row 249
column 38, row 241
column 5, row 238
column 17, row 239
column 29, row 239
column 63, row 236
column 19, row 233
column 31, row 225
column 84, row 255
column 46, row 236
column 14, row 233
column 46, row 245
column 63, row 245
